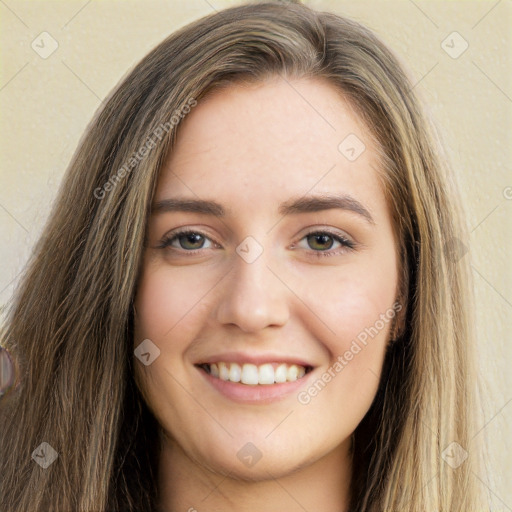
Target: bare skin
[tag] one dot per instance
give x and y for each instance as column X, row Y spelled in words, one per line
column 285, row 295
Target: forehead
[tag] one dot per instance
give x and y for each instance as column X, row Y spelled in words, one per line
column 268, row 141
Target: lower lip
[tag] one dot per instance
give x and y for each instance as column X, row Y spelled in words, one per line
column 259, row 394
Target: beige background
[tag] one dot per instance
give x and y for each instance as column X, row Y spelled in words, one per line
column 45, row 105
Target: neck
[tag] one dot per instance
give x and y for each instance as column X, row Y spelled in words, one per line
column 187, row 486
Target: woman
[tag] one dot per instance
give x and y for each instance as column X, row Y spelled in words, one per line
column 245, row 298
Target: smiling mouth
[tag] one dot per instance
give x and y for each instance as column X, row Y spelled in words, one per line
column 254, row 375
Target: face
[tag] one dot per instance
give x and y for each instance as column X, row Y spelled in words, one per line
column 269, row 280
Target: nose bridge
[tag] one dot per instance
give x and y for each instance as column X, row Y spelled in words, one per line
column 253, row 297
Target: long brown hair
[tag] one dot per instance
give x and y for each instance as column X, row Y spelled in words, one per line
column 70, row 324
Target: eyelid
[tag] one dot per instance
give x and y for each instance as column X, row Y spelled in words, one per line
column 322, row 228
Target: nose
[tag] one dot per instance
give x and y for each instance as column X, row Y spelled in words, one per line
column 253, row 298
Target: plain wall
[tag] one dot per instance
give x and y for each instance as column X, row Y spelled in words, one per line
column 46, row 103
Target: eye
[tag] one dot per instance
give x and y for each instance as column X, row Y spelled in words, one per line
column 321, row 242
column 186, row 240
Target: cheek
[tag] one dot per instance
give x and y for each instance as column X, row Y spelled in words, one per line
column 349, row 301
column 168, row 301
column 169, row 312
column 358, row 307
column 359, row 317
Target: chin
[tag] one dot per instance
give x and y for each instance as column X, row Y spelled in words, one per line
column 261, row 459
column 269, row 466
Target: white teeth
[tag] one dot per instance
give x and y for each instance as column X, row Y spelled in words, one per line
column 223, row 371
column 235, row 372
column 280, row 373
column 266, row 374
column 252, row 375
column 292, row 373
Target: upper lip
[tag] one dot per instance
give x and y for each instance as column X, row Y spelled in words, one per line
column 257, row 359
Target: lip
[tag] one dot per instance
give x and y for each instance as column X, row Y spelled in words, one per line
column 260, row 394
column 241, row 358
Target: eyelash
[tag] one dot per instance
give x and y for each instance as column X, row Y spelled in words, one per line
column 345, row 243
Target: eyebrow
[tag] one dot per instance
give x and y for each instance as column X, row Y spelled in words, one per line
column 298, row 205
column 189, row 205
column 325, row 202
